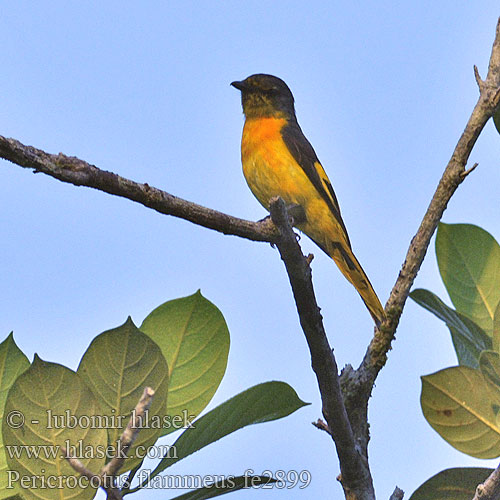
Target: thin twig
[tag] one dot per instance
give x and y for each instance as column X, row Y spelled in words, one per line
column 477, row 76
column 398, row 494
column 78, row 466
column 107, row 476
column 129, row 435
column 465, row 173
column 490, row 489
column 321, row 425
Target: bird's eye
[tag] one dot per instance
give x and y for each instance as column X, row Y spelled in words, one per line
column 272, row 90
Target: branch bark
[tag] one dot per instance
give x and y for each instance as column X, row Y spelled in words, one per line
column 355, row 474
column 490, row 489
column 357, row 384
column 80, row 173
column 398, row 494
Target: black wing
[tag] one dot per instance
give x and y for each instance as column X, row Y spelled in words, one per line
column 304, row 155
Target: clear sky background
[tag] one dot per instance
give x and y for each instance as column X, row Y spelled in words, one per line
column 383, row 91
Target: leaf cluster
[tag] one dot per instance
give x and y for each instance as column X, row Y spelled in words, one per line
column 180, row 351
column 462, row 402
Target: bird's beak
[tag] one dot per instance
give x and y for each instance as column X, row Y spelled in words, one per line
column 238, row 85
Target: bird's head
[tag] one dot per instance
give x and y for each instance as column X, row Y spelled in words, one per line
column 265, row 96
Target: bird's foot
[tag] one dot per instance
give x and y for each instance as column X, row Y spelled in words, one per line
column 296, row 213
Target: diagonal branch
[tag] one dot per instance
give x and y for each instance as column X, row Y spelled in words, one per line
column 357, row 384
column 80, row 173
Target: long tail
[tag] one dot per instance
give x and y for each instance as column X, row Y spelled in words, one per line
column 352, row 270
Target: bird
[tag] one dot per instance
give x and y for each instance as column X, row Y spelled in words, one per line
column 278, row 160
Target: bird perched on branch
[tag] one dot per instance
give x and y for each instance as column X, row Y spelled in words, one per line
column 278, row 160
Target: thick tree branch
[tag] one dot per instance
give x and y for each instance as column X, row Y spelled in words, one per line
column 80, row 173
column 355, row 475
column 358, row 384
column 490, row 489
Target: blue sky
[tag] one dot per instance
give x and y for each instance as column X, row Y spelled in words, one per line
column 383, row 90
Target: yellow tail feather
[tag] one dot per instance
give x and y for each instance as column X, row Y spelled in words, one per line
column 352, row 270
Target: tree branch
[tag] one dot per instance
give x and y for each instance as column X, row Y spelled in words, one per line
column 355, row 475
column 107, row 475
column 490, row 489
column 129, row 434
column 357, row 384
column 80, row 173
column 398, row 494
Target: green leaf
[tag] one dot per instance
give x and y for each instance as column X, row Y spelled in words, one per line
column 489, row 363
column 468, row 339
column 459, row 404
column 117, row 366
column 194, row 339
column 13, row 362
column 452, row 484
column 261, row 403
column 469, row 263
column 229, row 484
column 52, row 406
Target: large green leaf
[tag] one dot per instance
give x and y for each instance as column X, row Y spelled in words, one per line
column 13, row 362
column 194, row 339
column 261, row 403
column 229, row 484
column 468, row 339
column 469, row 263
column 460, row 405
column 452, row 484
column 117, row 366
column 52, row 408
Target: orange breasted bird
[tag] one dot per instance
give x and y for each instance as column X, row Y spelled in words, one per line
column 278, row 160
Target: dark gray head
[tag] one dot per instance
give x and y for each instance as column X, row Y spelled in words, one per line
column 265, row 96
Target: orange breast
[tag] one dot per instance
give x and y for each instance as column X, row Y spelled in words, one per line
column 269, row 168
column 262, row 138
